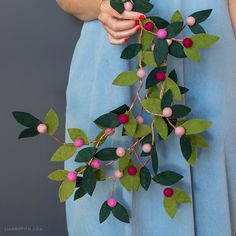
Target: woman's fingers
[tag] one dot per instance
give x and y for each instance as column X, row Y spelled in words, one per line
column 115, row 41
column 129, row 15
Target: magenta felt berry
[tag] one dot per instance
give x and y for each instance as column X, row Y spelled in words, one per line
column 188, row 43
column 95, row 164
column 149, row 26
column 42, row 128
column 146, row 148
column 132, row 170
column 111, row 202
column 179, row 131
column 139, row 120
column 167, row 112
column 128, row 6
column 72, row 176
column 109, row 131
column 168, row 192
column 160, row 76
column 120, row 151
column 141, row 73
column 118, row 174
column 78, row 142
column 191, row 21
column 162, row 33
column 123, row 118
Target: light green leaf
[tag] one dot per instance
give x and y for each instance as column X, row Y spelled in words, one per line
column 142, row 131
column 204, row 40
column 193, row 54
column 170, row 206
column 177, row 17
column 58, row 175
column 78, row 133
column 154, row 92
column 152, row 104
column 170, row 84
column 195, row 126
column 66, row 189
column 146, row 39
column 100, row 176
column 148, row 58
column 131, row 125
column 126, row 78
column 52, row 121
column 198, row 141
column 181, row 196
column 124, row 161
column 161, row 126
column 64, row 152
column 193, row 157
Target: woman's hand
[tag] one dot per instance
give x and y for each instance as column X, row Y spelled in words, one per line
column 119, row 26
column 232, row 12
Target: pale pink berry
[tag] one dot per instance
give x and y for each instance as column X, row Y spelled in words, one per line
column 128, row 6
column 111, row 202
column 120, row 151
column 169, row 41
column 191, row 21
column 139, row 120
column 42, row 128
column 167, row 112
column 141, row 73
column 95, row 164
column 162, row 33
column 146, row 148
column 179, row 131
column 72, row 176
column 109, row 131
column 78, row 143
column 118, row 174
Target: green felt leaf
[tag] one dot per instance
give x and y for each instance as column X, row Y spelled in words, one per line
column 151, row 79
column 85, row 154
column 159, row 22
column 79, row 180
column 180, row 111
column 146, row 38
column 170, row 84
column 172, row 75
column 89, row 180
column 142, row 6
column 58, row 175
column 148, row 58
column 167, row 178
column 121, row 109
column 79, row 193
column 154, row 158
column 166, row 99
column 124, row 161
column 170, row 206
column 181, row 196
column 193, row 158
column 183, row 90
column 198, row 141
column 142, row 130
column 106, row 154
column 29, row 132
column 26, row 119
column 152, row 104
column 52, row 121
column 131, row 51
column 177, row 17
column 204, row 40
column 197, row 29
column 120, row 213
column 98, row 138
column 145, row 178
column 108, row 120
column 201, row 16
column 100, row 176
column 161, row 127
column 186, row 147
column 195, row 126
column 193, row 54
column 104, row 212
column 78, row 133
column 160, row 51
column 174, row 29
column 127, row 78
column 131, row 125
column 64, row 152
column 177, row 50
column 118, row 5
column 66, row 189
column 80, row 169
column 154, row 92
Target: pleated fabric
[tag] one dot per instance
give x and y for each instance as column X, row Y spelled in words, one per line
column 212, row 84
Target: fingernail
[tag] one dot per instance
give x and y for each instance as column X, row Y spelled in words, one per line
column 138, row 28
column 137, row 22
column 126, row 39
column 142, row 17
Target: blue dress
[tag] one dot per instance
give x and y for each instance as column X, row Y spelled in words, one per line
column 212, row 83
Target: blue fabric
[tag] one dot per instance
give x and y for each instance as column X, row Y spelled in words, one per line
column 212, row 83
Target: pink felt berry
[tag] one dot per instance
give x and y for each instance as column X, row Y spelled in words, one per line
column 168, row 192
column 42, row 128
column 132, row 170
column 149, row 26
column 128, row 6
column 120, row 151
column 78, row 143
column 95, row 164
column 162, row 33
column 109, row 131
column 141, row 73
column 118, row 174
column 71, row 176
column 179, row 131
column 160, row 76
column 139, row 120
column 191, row 21
column 167, row 112
column 188, row 43
column 123, row 118
column 111, row 202
column 169, row 41
column 146, row 148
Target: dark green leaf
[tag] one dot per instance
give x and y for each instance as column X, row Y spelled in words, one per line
column 79, row 193
column 29, row 132
column 180, row 111
column 78, row 182
column 86, row 154
column 167, row 178
column 160, row 51
column 177, row 50
column 174, row 29
column 145, row 178
column 104, row 212
column 118, row 5
column 106, row 154
column 142, row 6
column 197, row 29
column 154, row 159
column 151, row 79
column 166, row 99
column 26, row 119
column 108, row 120
column 183, row 90
column 120, row 213
column 173, row 76
column 201, row 16
column 159, row 22
column 186, row 147
column 120, row 110
column 89, row 180
column 131, row 51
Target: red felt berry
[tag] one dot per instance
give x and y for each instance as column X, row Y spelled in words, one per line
column 149, row 26
column 168, row 192
column 132, row 170
column 188, row 43
column 123, row 118
column 160, row 76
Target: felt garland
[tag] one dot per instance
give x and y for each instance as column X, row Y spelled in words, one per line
column 157, row 39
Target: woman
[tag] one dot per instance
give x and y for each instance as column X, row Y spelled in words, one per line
column 212, row 83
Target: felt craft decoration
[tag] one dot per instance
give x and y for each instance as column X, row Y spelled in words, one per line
column 157, row 39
